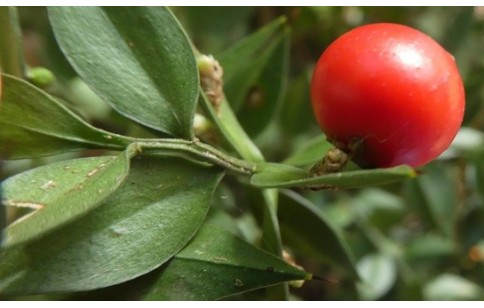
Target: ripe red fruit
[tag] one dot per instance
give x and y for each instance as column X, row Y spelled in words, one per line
column 392, row 88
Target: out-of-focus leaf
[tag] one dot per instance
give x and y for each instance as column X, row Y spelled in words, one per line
column 310, row 153
column 266, row 94
column 244, row 62
column 468, row 142
column 438, row 196
column 378, row 273
column 297, row 116
column 150, row 78
column 429, row 246
column 450, row 287
column 281, row 176
column 378, row 207
column 305, row 228
column 33, row 123
column 151, row 217
column 61, row 192
column 216, row 264
column 212, row 28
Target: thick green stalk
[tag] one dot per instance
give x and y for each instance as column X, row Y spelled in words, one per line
column 11, row 52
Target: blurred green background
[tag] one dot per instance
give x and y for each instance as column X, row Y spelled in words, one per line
column 421, row 239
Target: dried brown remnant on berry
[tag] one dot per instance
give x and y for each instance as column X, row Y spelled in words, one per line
column 333, row 161
column 211, row 79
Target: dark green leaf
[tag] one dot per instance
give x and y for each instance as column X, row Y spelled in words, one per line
column 280, row 176
column 429, row 246
column 297, row 115
column 61, row 192
column 266, row 94
column 310, row 153
column 244, row 62
column 305, row 228
column 32, row 123
column 378, row 272
column 150, row 218
column 217, row 264
column 214, row 27
column 438, row 196
column 150, row 78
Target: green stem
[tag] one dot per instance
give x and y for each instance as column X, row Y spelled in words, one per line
column 11, row 53
column 198, row 149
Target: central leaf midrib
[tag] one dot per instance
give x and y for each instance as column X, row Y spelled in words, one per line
column 238, row 266
column 117, row 31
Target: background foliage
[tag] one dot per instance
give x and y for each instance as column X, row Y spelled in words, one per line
column 414, row 239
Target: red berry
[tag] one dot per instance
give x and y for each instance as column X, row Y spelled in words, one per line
column 394, row 89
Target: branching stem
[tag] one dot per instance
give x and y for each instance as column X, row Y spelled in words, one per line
column 199, row 149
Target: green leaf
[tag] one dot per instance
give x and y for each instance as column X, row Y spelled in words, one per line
column 217, row 264
column 214, row 27
column 33, row 123
column 297, row 115
column 148, row 220
column 150, row 78
column 310, row 152
column 378, row 207
column 379, row 273
column 435, row 193
column 244, row 62
column 281, row 176
column 429, row 247
column 450, row 287
column 61, row 192
column 266, row 94
column 306, row 229
column 468, row 142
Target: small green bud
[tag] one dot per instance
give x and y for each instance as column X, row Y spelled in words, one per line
column 41, row 77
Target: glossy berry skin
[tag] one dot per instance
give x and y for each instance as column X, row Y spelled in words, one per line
column 393, row 89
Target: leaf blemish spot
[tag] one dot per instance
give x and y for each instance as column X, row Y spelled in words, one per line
column 31, row 205
column 238, row 282
column 118, row 231
column 219, row 259
column 47, row 185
